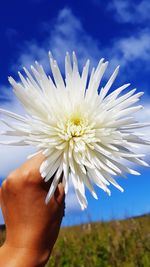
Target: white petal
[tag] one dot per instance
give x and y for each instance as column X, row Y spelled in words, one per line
column 80, row 191
column 106, row 88
column 12, row 115
column 54, row 185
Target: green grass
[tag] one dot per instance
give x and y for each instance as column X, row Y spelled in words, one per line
column 113, row 244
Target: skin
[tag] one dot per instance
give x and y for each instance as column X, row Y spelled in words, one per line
column 32, row 227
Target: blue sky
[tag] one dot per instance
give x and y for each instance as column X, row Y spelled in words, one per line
column 117, row 30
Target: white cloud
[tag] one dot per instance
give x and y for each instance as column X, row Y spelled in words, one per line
column 130, row 51
column 144, row 116
column 130, row 11
column 67, row 34
column 135, row 47
column 6, row 94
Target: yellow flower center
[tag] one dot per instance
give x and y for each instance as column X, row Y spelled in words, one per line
column 75, row 125
column 76, row 120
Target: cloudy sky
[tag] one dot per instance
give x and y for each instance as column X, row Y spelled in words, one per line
column 117, row 30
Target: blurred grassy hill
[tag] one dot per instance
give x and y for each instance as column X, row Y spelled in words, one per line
column 105, row 244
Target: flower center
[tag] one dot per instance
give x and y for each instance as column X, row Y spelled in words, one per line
column 75, row 125
column 76, row 121
column 78, row 127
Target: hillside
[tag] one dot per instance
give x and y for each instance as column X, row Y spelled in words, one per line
column 113, row 244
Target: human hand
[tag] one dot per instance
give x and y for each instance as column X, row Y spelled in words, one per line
column 30, row 223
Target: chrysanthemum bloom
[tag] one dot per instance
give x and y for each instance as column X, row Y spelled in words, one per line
column 84, row 135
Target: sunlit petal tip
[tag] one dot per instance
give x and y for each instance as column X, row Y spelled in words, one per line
column 106, row 63
column 136, row 172
column 121, row 189
column 11, row 80
column 66, row 190
column 50, row 54
column 74, row 54
column 94, row 195
column 141, row 107
column 108, row 192
column 102, row 60
column 83, row 207
column 146, row 164
column 140, row 94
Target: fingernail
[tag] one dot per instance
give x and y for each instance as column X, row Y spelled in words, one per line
column 60, row 194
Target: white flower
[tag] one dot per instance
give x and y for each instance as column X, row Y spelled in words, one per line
column 84, row 135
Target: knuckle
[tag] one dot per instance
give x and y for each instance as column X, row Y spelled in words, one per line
column 18, row 179
column 28, row 177
column 26, row 174
column 11, row 178
column 12, row 175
